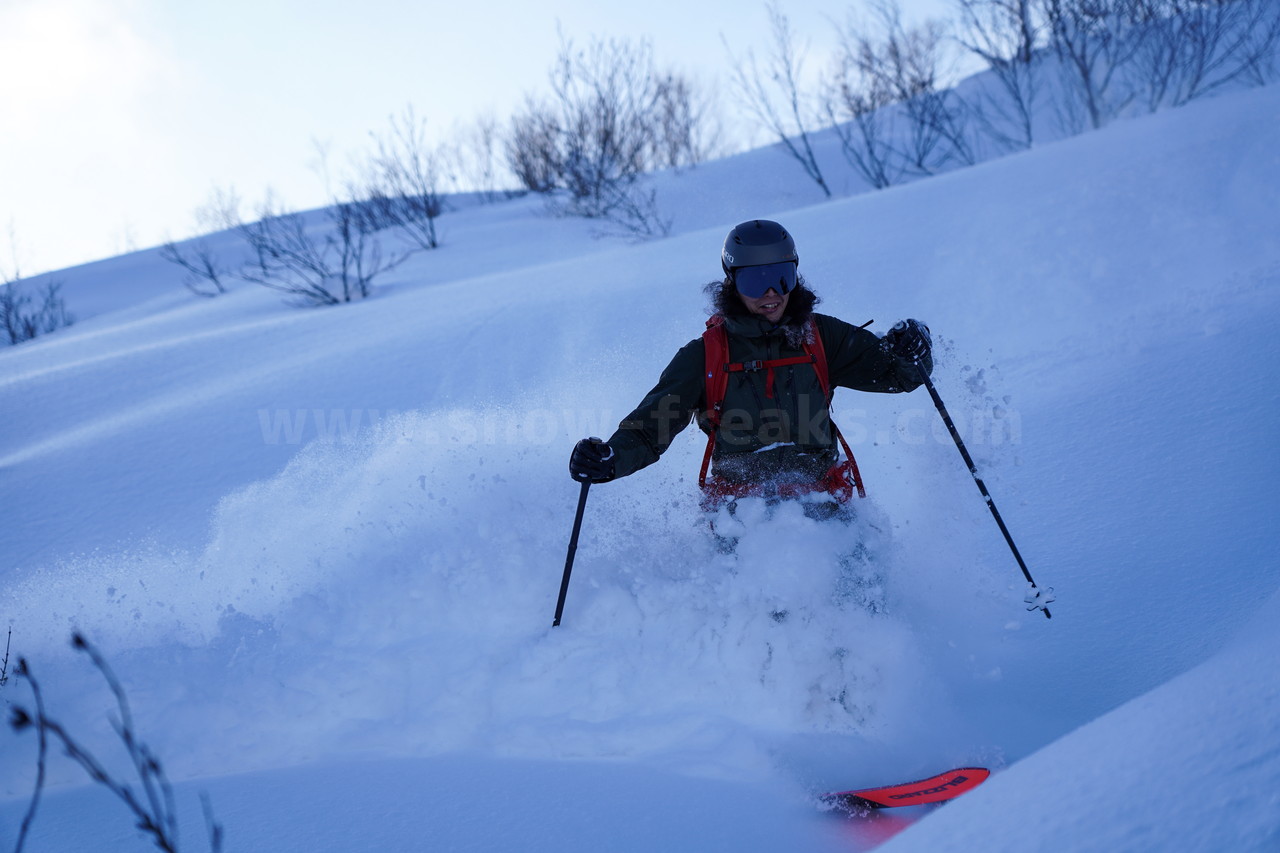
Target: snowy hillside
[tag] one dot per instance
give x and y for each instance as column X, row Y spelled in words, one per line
column 321, row 547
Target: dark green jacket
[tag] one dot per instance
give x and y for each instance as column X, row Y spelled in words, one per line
column 762, row 438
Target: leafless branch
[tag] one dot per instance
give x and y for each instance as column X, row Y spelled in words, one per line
column 154, row 809
column 774, row 94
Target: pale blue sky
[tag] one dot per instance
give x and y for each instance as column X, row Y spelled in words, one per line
column 121, row 116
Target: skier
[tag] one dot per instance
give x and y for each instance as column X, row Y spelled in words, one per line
column 771, row 434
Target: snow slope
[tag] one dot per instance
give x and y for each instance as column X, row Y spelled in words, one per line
column 1192, row 765
column 321, row 547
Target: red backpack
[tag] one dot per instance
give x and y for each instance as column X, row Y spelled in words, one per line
column 843, row 478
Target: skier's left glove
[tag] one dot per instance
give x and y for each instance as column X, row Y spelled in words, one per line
column 592, row 461
column 908, row 339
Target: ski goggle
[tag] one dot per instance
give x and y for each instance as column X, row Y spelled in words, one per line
column 754, row 282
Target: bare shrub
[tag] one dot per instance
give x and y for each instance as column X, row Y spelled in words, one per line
column 403, row 188
column 332, row 257
column 4, row 665
column 687, row 129
column 604, row 97
column 331, row 263
column 207, row 272
column 533, row 147
column 25, row 315
column 476, row 158
column 151, row 803
column 611, row 117
column 634, row 213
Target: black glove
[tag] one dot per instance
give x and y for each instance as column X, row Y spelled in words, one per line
column 591, row 462
column 908, row 339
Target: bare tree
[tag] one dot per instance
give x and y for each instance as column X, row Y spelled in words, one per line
column 856, row 103
column 1005, row 34
column 1166, row 52
column 1258, row 63
column 912, row 62
column 887, row 100
column 773, row 94
column 1187, row 49
column 1095, row 42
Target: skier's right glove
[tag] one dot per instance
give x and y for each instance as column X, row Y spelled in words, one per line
column 592, row 461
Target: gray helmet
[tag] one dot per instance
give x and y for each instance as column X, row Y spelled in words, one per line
column 755, row 243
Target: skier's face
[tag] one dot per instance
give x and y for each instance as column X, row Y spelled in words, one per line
column 771, row 306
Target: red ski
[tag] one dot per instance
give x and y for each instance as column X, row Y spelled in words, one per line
column 935, row 789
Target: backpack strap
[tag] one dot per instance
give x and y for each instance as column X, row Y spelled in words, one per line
column 715, row 342
column 818, row 352
column 816, row 349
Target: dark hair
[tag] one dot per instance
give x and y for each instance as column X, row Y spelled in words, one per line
column 725, row 300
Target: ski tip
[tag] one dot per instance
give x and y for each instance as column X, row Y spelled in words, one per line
column 935, row 789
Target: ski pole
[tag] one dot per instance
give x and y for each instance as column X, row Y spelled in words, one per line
column 573, row 549
column 982, row 487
